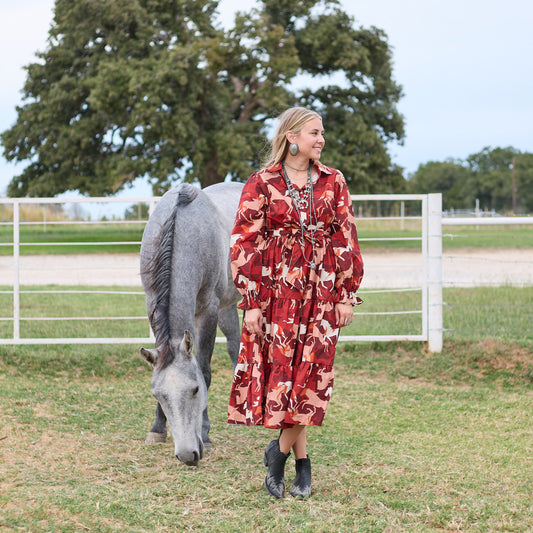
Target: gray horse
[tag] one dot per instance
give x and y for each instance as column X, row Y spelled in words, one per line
column 189, row 290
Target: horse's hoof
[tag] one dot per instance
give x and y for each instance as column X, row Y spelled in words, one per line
column 155, row 437
column 208, row 446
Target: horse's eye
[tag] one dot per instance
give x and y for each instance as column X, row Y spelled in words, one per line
column 195, row 391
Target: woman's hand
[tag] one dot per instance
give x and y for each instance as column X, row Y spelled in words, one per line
column 253, row 321
column 343, row 314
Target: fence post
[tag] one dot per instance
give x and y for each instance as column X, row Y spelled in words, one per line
column 435, row 272
column 16, row 269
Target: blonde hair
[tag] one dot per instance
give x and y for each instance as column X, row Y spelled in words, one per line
column 290, row 120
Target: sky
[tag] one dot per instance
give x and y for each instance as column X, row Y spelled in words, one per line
column 465, row 67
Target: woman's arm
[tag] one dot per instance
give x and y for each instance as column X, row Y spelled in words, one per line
column 247, row 242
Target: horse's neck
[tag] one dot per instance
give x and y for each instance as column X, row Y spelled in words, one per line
column 181, row 313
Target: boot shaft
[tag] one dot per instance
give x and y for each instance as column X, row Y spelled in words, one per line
column 301, row 486
column 275, row 461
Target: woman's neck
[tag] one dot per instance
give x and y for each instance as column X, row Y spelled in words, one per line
column 297, row 164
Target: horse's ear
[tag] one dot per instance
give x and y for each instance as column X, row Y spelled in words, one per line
column 150, row 356
column 187, row 343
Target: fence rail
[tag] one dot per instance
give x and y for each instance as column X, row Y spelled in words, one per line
column 430, row 287
column 486, row 221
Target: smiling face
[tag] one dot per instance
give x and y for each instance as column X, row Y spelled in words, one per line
column 310, row 140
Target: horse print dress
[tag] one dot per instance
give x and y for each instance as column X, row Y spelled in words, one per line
column 285, row 377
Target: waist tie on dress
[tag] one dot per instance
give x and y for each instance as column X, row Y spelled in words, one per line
column 296, row 259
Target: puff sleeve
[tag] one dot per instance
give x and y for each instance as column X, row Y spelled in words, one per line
column 247, row 242
column 349, row 263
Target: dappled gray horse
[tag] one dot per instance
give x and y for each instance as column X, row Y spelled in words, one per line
column 186, row 277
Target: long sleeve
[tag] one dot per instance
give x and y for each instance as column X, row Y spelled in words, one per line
column 349, row 263
column 247, row 242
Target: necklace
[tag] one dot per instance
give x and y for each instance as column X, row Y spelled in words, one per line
column 302, row 202
column 294, row 168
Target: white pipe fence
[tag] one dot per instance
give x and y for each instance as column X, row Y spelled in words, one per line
column 430, row 288
column 487, row 221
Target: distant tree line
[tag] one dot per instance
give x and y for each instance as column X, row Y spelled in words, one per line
column 500, row 178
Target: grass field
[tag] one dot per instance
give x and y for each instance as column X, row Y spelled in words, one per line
column 504, row 313
column 35, row 236
column 453, row 236
column 412, row 442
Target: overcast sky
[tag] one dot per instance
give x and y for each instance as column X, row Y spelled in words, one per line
column 465, row 67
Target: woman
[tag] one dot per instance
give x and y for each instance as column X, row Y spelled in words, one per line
column 295, row 259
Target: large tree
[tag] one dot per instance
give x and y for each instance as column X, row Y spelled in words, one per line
column 156, row 88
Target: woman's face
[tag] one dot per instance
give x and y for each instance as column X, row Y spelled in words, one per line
column 310, row 139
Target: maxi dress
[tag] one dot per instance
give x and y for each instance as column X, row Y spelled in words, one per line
column 285, row 376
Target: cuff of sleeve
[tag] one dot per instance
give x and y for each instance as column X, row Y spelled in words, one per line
column 348, row 297
column 249, row 301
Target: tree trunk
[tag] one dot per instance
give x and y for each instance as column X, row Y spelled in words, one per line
column 212, row 175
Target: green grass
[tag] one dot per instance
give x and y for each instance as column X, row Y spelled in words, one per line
column 454, row 237
column 412, row 441
column 33, row 236
column 487, row 237
column 87, row 306
column 404, row 450
column 503, row 313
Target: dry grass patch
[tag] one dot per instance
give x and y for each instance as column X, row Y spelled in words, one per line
column 500, row 356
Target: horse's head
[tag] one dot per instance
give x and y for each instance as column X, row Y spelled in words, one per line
column 180, row 389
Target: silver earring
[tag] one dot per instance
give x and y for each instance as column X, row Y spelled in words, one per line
column 293, row 149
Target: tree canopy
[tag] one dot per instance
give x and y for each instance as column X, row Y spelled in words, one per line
column 157, row 88
column 486, row 176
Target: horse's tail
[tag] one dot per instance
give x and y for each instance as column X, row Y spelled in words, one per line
column 158, row 272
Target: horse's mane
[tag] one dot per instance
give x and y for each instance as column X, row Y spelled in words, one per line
column 158, row 271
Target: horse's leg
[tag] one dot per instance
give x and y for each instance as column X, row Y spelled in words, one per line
column 228, row 321
column 206, row 331
column 158, row 433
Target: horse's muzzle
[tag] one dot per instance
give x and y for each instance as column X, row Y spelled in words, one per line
column 190, row 459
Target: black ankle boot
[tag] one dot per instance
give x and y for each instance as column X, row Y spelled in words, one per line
column 301, row 486
column 275, row 461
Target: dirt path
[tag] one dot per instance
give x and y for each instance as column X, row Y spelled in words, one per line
column 82, row 269
column 461, row 268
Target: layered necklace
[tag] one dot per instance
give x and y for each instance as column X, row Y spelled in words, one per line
column 302, row 202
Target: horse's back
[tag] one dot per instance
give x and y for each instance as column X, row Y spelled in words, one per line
column 225, row 198
column 157, row 225
column 201, row 223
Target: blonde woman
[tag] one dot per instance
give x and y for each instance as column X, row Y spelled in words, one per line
column 296, row 261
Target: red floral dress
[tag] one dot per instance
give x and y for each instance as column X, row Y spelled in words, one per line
column 285, row 377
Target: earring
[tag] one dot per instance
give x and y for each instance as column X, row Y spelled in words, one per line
column 293, row 149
